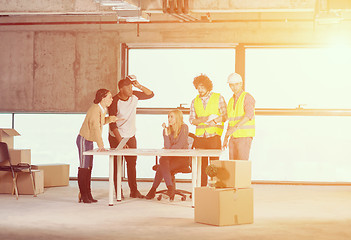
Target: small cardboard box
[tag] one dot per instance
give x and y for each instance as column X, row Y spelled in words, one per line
column 6, row 135
column 24, row 182
column 233, row 173
column 223, row 206
column 6, row 182
column 20, row 156
column 55, row 175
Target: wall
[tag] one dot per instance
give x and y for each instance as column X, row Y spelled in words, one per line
column 58, row 66
column 56, row 71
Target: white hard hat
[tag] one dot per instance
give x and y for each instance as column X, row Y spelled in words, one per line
column 234, row 78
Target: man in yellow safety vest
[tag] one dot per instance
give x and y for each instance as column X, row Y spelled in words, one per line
column 208, row 112
column 241, row 117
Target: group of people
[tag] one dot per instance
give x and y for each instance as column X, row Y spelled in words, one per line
column 208, row 112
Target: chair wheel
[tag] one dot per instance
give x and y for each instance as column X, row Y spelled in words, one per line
column 183, row 198
column 159, row 197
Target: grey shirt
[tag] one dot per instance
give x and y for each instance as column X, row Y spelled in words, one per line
column 181, row 142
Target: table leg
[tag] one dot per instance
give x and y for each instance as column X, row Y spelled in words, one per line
column 199, row 165
column 110, row 181
column 194, row 177
column 119, row 178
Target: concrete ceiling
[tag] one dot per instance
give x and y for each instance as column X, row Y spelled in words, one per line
column 126, row 11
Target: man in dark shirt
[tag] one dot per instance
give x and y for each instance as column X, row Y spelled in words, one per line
column 124, row 106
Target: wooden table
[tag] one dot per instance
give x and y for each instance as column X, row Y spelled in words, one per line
column 195, row 154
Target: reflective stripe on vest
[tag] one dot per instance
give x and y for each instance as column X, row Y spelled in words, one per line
column 211, row 108
column 236, row 114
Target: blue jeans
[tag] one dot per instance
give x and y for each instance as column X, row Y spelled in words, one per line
column 85, row 161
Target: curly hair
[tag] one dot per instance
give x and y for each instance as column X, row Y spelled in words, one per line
column 204, row 80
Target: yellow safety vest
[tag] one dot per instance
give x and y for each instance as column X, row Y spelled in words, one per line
column 236, row 114
column 211, row 108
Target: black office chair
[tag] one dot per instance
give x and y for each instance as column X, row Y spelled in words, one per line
column 184, row 169
column 14, row 169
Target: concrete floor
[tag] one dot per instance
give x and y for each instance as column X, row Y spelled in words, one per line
column 281, row 212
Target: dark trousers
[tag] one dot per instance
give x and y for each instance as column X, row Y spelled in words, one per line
column 166, row 166
column 207, row 143
column 131, row 163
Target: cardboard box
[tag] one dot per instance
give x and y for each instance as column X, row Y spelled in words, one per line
column 223, row 206
column 233, row 173
column 7, row 134
column 55, row 175
column 20, row 156
column 6, row 182
column 24, row 182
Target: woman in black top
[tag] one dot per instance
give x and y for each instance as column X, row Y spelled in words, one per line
column 175, row 137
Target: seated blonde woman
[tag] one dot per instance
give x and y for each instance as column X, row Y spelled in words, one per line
column 175, row 137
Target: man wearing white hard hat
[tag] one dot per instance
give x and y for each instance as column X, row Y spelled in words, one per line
column 208, row 112
column 241, row 116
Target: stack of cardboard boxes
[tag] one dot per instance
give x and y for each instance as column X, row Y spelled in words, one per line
column 230, row 202
column 24, row 182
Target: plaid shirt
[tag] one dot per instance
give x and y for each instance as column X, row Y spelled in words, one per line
column 222, row 110
column 249, row 104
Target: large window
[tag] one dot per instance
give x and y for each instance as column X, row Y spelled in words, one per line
column 295, row 148
column 288, row 77
column 170, row 72
column 51, row 137
column 300, row 148
column 5, row 120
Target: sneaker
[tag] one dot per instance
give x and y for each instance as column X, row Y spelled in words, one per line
column 136, row 194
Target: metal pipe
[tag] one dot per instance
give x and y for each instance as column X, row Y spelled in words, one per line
column 159, row 22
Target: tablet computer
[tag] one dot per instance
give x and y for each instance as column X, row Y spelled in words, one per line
column 122, row 144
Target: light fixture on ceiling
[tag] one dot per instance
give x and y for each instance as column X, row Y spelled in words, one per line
column 125, row 11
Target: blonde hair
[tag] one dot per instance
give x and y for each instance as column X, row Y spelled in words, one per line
column 175, row 129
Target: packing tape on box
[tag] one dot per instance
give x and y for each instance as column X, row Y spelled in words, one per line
column 236, row 221
column 236, row 194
